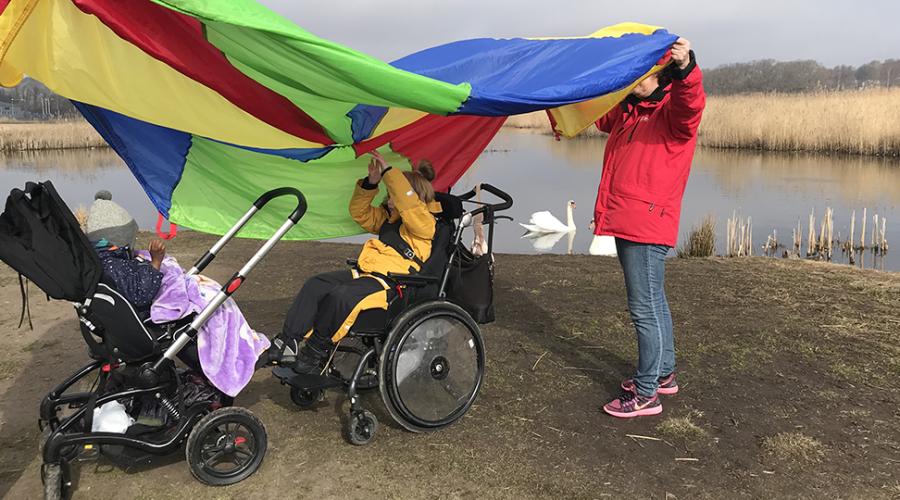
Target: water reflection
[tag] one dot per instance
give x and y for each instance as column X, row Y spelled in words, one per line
column 856, row 180
column 77, row 175
column 776, row 190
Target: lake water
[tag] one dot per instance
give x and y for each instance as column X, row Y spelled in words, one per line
column 775, row 189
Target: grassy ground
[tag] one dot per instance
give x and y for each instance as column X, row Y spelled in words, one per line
column 787, row 389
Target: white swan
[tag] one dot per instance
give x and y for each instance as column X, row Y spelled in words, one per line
column 545, row 222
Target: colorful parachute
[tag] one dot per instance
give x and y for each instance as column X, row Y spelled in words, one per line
column 212, row 103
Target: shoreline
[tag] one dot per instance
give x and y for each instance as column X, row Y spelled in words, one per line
column 741, row 149
column 592, row 134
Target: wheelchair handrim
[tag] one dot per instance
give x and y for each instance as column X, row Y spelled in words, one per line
column 388, row 365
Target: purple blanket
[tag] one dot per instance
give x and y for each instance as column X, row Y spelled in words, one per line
column 228, row 347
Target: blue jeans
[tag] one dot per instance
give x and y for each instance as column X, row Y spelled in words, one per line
column 645, row 268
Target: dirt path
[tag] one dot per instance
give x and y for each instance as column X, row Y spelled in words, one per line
column 788, row 374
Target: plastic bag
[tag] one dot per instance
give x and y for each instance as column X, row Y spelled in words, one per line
column 111, row 417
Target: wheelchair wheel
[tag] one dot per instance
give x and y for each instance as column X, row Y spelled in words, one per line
column 226, row 446
column 432, row 366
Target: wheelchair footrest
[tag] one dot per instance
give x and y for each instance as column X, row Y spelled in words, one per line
column 304, row 381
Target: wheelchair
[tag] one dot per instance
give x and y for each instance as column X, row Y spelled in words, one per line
column 133, row 361
column 424, row 353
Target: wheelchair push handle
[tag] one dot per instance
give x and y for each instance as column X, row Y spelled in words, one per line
column 507, row 199
column 493, row 207
column 268, row 196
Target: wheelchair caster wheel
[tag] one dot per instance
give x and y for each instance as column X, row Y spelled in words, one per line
column 306, row 398
column 362, row 428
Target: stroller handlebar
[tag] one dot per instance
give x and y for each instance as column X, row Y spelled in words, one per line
column 188, row 332
column 268, row 196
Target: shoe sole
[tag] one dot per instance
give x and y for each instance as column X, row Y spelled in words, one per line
column 668, row 391
column 656, row 410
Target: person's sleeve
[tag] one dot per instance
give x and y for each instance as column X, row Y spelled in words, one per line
column 686, row 102
column 368, row 217
column 414, row 212
column 606, row 122
column 137, row 281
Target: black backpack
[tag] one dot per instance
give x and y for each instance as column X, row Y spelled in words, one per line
column 40, row 239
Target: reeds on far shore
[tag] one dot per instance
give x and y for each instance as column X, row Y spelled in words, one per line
column 851, row 121
column 27, row 136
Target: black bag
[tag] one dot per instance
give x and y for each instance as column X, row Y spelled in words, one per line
column 40, row 238
column 471, row 284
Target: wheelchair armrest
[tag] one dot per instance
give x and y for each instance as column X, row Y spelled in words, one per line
column 417, row 280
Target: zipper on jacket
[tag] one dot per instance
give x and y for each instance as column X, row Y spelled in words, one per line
column 637, row 120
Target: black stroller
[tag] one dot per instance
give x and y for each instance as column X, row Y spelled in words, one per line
column 133, row 362
column 425, row 352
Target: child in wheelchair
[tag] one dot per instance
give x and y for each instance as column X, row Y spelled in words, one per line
column 328, row 304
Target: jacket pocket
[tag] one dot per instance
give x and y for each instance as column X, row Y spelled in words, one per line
column 649, row 203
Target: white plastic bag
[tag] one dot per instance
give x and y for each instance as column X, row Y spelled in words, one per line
column 111, row 417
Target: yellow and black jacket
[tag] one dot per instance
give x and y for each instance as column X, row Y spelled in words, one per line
column 416, row 219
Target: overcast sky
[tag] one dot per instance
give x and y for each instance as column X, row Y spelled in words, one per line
column 722, row 31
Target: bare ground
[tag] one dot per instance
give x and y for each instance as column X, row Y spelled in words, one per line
column 787, row 375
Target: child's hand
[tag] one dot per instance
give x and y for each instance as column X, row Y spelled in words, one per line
column 374, row 172
column 382, row 163
column 157, row 250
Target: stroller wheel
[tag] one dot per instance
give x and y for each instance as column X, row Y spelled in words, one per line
column 306, row 398
column 57, row 484
column 226, row 446
column 362, row 428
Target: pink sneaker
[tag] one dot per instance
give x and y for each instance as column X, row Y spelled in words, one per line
column 630, row 405
column 667, row 385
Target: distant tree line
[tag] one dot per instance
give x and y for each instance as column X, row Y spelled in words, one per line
column 768, row 75
column 30, row 100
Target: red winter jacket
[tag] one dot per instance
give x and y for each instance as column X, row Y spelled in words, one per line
column 647, row 161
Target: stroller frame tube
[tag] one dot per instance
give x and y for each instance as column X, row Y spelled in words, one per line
column 187, row 333
column 211, row 253
column 226, row 291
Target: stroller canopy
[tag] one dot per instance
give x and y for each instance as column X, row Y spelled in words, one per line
column 40, row 238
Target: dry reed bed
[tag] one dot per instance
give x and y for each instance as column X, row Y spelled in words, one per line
column 858, row 122
column 43, row 136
